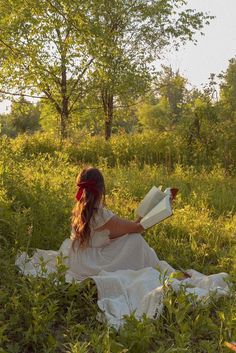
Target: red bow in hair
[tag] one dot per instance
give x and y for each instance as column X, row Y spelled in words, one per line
column 89, row 185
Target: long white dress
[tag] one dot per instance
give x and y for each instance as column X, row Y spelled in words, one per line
column 129, row 251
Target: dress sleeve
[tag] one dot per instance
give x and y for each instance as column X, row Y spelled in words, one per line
column 101, row 217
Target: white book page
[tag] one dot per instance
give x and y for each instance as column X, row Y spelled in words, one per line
column 157, row 214
column 152, row 198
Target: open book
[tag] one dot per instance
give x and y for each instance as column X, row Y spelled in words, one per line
column 156, row 206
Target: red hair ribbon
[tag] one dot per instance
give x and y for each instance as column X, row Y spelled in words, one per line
column 89, row 185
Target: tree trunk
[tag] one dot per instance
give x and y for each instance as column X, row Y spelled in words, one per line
column 108, row 105
column 64, row 111
column 63, row 125
column 64, row 102
column 64, row 117
column 195, row 130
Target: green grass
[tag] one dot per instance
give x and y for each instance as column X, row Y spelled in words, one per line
column 37, row 190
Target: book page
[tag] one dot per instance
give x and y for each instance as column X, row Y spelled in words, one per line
column 152, row 198
column 157, row 214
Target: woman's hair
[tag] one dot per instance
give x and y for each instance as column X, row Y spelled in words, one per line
column 87, row 204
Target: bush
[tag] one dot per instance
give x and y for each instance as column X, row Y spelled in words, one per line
column 165, row 148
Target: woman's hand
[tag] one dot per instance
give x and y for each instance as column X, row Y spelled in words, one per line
column 138, row 220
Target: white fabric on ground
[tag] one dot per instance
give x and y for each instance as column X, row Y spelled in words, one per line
column 126, row 291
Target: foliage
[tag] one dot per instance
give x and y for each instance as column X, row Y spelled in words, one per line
column 164, row 108
column 48, row 315
column 168, row 148
column 205, row 128
column 228, row 89
column 61, row 50
column 23, row 118
column 154, row 114
column 43, row 53
column 49, row 118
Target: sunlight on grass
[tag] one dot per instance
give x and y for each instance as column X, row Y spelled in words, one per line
column 36, row 197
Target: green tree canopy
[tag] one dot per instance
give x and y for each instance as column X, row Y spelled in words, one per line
column 23, row 118
column 163, row 108
column 228, row 89
column 60, row 49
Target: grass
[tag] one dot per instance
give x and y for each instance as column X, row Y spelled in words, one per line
column 36, row 196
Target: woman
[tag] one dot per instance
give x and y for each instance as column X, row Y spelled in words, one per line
column 100, row 240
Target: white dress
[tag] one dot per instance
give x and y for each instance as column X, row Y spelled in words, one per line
column 129, row 251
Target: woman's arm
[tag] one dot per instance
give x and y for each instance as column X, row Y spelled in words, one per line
column 118, row 227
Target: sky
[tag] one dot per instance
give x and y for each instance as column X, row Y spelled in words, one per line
column 213, row 50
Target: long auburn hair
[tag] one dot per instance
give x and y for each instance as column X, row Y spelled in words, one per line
column 87, row 206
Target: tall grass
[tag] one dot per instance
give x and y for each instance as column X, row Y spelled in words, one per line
column 166, row 148
column 37, row 188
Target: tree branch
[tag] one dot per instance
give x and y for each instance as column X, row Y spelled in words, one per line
column 80, row 75
column 63, row 15
column 75, row 101
column 10, row 47
column 22, row 94
column 52, row 99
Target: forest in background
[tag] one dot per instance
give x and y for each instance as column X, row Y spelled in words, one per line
column 90, row 62
column 92, row 67
column 188, row 126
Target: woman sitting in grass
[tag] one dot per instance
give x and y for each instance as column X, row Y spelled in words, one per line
column 100, row 240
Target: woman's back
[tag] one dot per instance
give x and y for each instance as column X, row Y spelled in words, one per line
column 98, row 238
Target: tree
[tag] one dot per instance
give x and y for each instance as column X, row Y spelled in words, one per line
column 23, row 118
column 42, row 52
column 228, row 89
column 172, row 87
column 202, row 114
column 227, row 114
column 153, row 113
column 135, row 33
column 163, row 108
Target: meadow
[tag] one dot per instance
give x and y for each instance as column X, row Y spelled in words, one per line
column 37, row 188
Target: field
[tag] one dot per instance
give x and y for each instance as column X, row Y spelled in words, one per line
column 36, row 196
